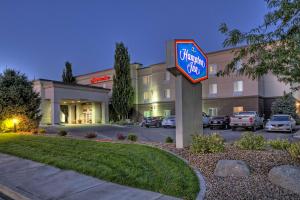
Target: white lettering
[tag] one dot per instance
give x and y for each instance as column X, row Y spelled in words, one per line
column 191, row 67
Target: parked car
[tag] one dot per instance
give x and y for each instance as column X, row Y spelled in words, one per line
column 247, row 119
column 205, row 120
column 220, row 122
column 284, row 123
column 143, row 122
column 153, row 122
column 169, row 122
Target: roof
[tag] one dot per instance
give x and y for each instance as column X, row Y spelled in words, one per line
column 73, row 84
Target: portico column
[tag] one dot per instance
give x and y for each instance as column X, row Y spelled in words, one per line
column 105, row 114
column 78, row 112
column 71, row 114
column 55, row 112
column 96, row 114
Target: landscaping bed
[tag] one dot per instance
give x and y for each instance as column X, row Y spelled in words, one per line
column 256, row 186
column 129, row 164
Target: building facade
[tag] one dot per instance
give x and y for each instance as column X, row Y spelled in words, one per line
column 155, row 89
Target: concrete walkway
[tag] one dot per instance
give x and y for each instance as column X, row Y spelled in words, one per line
column 38, row 181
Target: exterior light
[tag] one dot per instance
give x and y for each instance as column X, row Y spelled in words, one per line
column 78, row 101
column 297, row 104
column 15, row 122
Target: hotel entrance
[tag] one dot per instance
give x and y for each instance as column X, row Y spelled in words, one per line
column 87, row 113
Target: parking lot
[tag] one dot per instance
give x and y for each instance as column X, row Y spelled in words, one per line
column 156, row 134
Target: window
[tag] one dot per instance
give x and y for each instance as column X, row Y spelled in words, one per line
column 167, row 93
column 238, row 65
column 167, row 113
column 238, row 109
column 212, row 111
column 213, row 69
column 146, row 95
column 213, row 88
column 147, row 113
column 238, row 86
column 104, row 85
column 167, row 75
column 147, row 80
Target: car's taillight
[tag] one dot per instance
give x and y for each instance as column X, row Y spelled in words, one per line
column 251, row 119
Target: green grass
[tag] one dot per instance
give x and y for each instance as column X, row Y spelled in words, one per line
column 127, row 164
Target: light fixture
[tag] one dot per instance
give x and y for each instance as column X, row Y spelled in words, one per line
column 15, row 122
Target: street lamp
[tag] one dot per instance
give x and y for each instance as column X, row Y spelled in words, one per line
column 15, row 121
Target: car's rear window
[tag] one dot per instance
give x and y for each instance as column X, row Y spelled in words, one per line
column 280, row 118
column 246, row 113
column 217, row 118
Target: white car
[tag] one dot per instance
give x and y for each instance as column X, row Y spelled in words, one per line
column 169, row 122
column 282, row 123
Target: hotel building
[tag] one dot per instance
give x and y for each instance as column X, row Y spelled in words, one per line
column 155, row 89
column 87, row 102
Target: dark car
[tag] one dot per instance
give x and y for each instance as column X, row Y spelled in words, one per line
column 220, row 122
column 153, row 122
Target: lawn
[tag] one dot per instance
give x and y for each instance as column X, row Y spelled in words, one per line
column 127, row 164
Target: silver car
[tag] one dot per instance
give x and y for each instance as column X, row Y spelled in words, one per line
column 282, row 123
column 169, row 122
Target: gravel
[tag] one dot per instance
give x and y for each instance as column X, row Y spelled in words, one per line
column 256, row 186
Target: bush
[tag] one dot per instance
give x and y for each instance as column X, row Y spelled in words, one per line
column 169, row 140
column 62, row 133
column 35, row 132
column 120, row 136
column 132, row 137
column 279, row 144
column 90, row 135
column 207, row 144
column 294, row 150
column 250, row 141
column 42, row 131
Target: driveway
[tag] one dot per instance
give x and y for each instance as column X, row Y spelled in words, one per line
column 155, row 134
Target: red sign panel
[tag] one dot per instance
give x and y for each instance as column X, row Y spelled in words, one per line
column 95, row 80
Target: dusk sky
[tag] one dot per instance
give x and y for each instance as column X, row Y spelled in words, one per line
column 38, row 36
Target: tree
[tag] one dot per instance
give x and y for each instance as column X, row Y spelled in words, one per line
column 67, row 75
column 273, row 46
column 123, row 92
column 285, row 105
column 19, row 100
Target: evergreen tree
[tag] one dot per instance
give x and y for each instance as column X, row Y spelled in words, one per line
column 123, row 92
column 67, row 75
column 273, row 46
column 19, row 100
column 285, row 105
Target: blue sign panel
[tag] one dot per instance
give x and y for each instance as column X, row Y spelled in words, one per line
column 190, row 60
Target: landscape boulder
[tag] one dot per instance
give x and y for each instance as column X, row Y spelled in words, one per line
column 286, row 176
column 236, row 168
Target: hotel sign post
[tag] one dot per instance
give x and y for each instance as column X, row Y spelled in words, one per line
column 188, row 63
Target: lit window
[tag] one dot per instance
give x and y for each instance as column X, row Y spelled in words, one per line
column 238, row 65
column 167, row 93
column 213, row 88
column 146, row 80
column 167, row 75
column 212, row 69
column 212, row 111
column 238, row 86
column 238, row 109
column 167, row 113
column 146, row 96
column 104, row 85
column 147, row 113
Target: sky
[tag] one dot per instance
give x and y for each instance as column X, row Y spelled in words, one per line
column 38, row 36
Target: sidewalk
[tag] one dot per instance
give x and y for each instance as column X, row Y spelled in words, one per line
column 38, row 181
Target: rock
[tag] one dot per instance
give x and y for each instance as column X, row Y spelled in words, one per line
column 286, row 176
column 235, row 168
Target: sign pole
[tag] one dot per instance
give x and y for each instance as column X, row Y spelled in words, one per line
column 187, row 62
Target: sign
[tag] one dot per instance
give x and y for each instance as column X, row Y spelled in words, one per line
column 191, row 61
column 95, row 80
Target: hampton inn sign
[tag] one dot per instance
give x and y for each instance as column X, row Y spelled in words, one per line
column 190, row 60
column 100, row 79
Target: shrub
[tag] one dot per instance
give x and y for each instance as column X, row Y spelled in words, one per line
column 132, row 137
column 294, row 150
column 90, row 135
column 250, row 141
column 120, row 136
column 207, row 144
column 62, row 133
column 35, row 132
column 42, row 131
column 169, row 140
column 279, row 144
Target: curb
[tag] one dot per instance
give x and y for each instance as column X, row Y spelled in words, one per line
column 202, row 187
column 12, row 194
